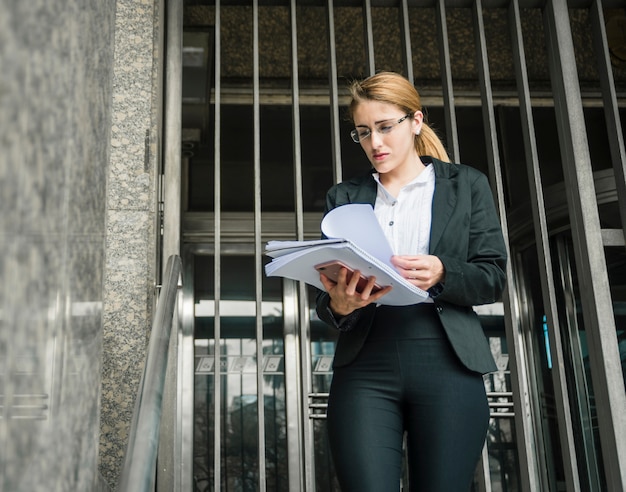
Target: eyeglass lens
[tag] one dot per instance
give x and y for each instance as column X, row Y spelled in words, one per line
column 382, row 128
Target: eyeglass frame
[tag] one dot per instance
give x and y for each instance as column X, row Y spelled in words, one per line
column 356, row 138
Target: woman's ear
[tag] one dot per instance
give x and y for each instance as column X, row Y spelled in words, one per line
column 418, row 120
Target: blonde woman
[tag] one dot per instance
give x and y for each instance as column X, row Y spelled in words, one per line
column 414, row 370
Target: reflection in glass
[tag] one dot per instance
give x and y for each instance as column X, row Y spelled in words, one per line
column 323, row 341
column 501, row 439
column 238, row 415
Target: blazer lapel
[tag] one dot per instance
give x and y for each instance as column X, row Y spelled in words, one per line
column 363, row 192
column 444, row 200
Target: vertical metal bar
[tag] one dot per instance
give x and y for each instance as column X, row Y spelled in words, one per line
column 258, row 259
column 452, row 137
column 544, row 258
column 217, row 231
column 308, row 460
column 185, row 383
column 292, row 397
column 295, row 119
column 368, row 32
column 183, row 453
column 486, row 95
column 525, row 383
column 611, row 110
column 307, row 448
column 334, row 93
column 514, row 337
column 405, row 31
column 170, row 459
column 173, row 129
column 608, row 383
column 484, row 477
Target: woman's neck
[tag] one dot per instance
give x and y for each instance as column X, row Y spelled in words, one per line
column 395, row 180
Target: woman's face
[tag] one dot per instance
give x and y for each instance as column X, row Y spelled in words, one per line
column 389, row 146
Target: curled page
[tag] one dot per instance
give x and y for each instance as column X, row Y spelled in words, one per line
column 357, row 223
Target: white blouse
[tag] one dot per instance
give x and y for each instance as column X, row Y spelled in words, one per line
column 406, row 220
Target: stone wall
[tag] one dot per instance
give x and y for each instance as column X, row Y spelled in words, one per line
column 131, row 253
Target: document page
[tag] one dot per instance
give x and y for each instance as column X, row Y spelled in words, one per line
column 357, row 223
column 354, row 238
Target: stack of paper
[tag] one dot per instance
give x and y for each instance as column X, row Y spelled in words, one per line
column 356, row 239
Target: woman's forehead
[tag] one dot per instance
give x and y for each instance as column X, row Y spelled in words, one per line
column 373, row 111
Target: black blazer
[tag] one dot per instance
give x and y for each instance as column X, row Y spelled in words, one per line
column 466, row 236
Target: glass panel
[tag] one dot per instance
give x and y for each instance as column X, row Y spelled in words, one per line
column 197, row 57
column 597, row 138
column 513, row 152
column 576, row 354
column 616, row 265
column 323, row 342
column 472, row 143
column 535, row 320
column 548, row 150
column 317, row 164
column 237, row 123
column 277, row 163
column 239, row 418
column 501, row 440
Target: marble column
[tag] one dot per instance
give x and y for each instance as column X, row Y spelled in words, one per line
column 132, row 259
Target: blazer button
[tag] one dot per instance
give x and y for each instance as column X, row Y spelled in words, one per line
column 439, row 309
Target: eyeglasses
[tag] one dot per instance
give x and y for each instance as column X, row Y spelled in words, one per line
column 383, row 128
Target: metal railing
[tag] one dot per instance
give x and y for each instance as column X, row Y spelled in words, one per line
column 138, row 472
column 500, row 404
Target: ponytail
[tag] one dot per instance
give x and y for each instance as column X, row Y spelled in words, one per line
column 428, row 143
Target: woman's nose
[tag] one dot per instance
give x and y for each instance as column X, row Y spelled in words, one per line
column 376, row 138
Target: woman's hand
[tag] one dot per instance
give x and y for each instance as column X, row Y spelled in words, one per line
column 423, row 271
column 344, row 298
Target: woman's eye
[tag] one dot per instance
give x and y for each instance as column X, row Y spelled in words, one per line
column 385, row 128
column 363, row 133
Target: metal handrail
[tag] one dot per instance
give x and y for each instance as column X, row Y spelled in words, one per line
column 138, row 472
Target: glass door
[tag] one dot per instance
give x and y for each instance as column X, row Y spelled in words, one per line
column 230, row 433
column 322, row 344
column 289, row 423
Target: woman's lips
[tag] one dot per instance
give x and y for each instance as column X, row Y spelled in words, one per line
column 379, row 157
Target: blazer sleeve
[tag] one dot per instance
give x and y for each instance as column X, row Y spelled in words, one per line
column 473, row 252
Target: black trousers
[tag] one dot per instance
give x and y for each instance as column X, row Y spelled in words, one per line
column 406, row 379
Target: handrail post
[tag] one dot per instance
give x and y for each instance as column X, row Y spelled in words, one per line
column 138, row 472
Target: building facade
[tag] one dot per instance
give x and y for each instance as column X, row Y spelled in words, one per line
column 141, row 129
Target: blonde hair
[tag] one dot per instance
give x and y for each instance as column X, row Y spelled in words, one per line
column 393, row 88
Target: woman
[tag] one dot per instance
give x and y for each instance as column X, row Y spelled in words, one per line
column 412, row 370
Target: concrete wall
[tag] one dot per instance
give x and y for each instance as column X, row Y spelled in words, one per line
column 56, row 59
column 79, row 156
